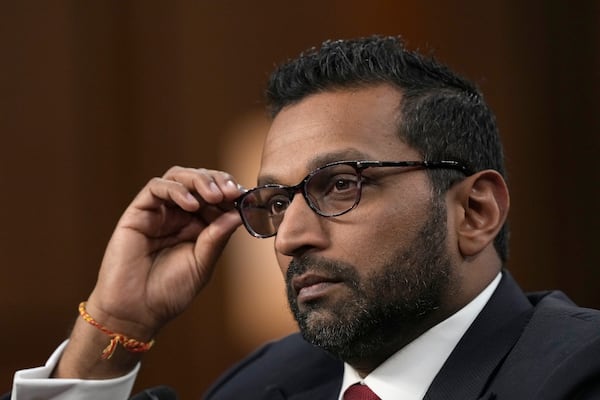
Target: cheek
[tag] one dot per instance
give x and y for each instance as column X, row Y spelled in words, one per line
column 375, row 235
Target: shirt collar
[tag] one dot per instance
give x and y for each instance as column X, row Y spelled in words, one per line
column 408, row 373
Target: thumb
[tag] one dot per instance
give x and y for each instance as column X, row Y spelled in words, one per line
column 212, row 241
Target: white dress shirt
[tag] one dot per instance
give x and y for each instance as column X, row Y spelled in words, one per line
column 35, row 384
column 405, row 375
column 409, row 372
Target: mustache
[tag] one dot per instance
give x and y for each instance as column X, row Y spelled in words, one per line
column 337, row 270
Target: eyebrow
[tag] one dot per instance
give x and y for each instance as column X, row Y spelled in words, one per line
column 319, row 160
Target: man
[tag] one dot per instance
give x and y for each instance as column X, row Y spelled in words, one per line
column 383, row 183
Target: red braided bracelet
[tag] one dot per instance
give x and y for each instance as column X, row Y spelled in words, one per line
column 129, row 344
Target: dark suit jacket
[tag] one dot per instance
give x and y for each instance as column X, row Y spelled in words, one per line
column 536, row 346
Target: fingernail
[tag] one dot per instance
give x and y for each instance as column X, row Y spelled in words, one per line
column 190, row 197
column 231, row 184
column 213, row 187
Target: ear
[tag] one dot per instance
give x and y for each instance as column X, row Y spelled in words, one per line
column 481, row 202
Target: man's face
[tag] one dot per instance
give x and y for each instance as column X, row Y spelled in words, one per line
column 364, row 280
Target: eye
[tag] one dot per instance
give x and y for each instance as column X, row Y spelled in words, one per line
column 340, row 184
column 277, row 205
column 343, row 184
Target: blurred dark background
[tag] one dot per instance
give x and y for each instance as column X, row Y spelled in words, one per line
column 96, row 97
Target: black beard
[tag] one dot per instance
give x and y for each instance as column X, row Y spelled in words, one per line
column 388, row 306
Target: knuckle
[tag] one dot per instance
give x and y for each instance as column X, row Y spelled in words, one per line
column 174, row 170
column 154, row 181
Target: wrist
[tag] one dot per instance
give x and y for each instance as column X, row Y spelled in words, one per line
column 96, row 352
column 128, row 343
column 119, row 324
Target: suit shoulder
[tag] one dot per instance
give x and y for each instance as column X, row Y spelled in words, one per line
column 554, row 310
column 287, row 363
column 558, row 353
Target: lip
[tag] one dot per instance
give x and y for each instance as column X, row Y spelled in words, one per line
column 311, row 286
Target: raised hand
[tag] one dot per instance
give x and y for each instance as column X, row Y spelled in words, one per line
column 162, row 253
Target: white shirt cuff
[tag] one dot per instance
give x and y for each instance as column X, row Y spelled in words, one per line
column 35, row 383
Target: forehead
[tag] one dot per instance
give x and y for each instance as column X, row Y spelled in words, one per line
column 331, row 126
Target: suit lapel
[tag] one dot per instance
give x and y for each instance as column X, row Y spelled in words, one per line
column 466, row 373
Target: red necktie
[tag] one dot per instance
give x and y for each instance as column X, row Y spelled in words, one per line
column 360, row 392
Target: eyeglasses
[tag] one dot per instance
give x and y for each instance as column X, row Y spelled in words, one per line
column 330, row 191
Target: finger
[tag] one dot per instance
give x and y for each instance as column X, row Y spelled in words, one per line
column 188, row 233
column 213, row 239
column 158, row 191
column 208, row 213
column 213, row 187
column 228, row 185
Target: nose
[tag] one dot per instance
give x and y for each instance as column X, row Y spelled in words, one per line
column 300, row 230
